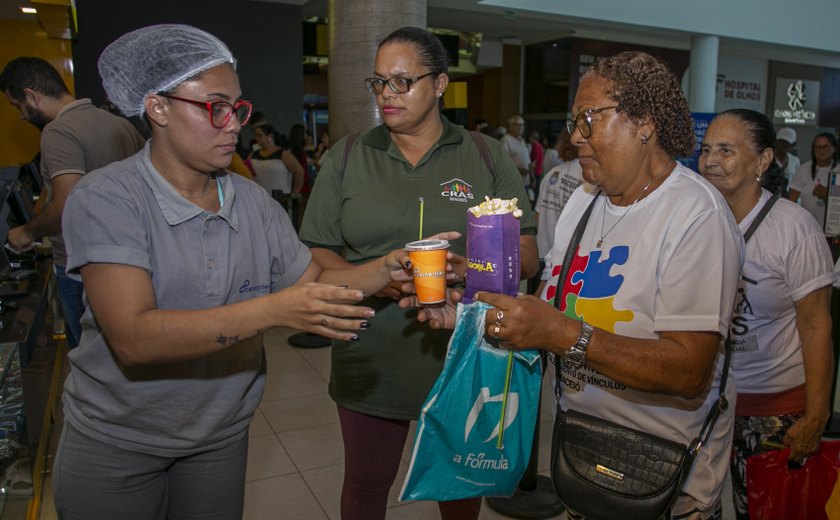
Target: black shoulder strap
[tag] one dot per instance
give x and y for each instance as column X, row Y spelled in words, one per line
column 722, row 404
column 570, row 251
column 758, row 218
column 348, row 145
column 484, row 150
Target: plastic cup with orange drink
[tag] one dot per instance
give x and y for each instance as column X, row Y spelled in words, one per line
column 428, row 262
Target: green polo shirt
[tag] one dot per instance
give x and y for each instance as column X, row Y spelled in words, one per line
column 374, row 208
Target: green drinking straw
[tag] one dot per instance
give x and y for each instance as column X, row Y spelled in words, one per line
column 500, row 444
column 421, row 219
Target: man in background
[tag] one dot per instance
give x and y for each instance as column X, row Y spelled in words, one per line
column 789, row 163
column 76, row 138
column 516, row 147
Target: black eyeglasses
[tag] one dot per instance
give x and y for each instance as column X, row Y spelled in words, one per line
column 398, row 84
column 220, row 111
column 584, row 117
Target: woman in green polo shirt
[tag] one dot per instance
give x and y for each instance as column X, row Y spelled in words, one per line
column 371, row 205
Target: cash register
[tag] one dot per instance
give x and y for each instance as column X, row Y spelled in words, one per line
column 16, row 267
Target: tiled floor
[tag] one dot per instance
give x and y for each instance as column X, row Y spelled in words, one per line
column 295, row 461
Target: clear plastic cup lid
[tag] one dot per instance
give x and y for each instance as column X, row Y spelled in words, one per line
column 429, row 244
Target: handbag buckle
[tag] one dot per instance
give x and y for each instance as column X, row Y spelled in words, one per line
column 695, row 446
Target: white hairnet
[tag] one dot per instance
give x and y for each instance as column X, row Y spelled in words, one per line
column 156, row 59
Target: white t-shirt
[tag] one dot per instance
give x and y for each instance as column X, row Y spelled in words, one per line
column 518, row 151
column 551, row 159
column 671, row 264
column 555, row 189
column 271, row 173
column 793, row 164
column 787, row 259
column 804, row 184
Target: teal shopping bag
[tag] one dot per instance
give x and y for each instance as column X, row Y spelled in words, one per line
column 476, row 428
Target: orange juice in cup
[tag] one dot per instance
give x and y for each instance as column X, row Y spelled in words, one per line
column 428, row 265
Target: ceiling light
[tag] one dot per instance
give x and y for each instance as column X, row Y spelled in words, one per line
column 28, row 10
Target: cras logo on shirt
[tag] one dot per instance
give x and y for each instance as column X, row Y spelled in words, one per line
column 590, row 288
column 456, row 190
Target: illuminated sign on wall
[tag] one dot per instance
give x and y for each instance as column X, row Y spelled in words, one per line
column 796, row 102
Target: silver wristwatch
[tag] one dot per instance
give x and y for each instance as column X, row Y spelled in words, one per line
column 576, row 356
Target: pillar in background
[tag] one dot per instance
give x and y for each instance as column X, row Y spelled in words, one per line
column 355, row 29
column 703, row 65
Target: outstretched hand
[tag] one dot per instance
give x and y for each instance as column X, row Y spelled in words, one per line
column 328, row 310
column 439, row 315
column 399, row 266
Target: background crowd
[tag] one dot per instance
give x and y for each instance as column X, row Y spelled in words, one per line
column 169, row 370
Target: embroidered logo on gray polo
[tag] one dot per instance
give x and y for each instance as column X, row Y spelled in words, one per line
column 260, row 288
column 456, row 190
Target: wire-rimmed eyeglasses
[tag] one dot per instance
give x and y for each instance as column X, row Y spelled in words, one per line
column 398, row 84
column 220, row 111
column 578, row 121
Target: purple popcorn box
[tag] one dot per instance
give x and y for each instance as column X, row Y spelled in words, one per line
column 492, row 255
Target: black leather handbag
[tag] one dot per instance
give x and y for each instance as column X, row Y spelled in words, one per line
column 606, row 471
column 603, row 470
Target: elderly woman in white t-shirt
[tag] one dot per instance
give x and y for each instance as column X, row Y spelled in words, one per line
column 781, row 330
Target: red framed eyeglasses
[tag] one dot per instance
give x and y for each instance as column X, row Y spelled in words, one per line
column 220, row 111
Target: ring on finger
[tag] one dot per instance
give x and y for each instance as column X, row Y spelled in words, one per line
column 324, row 322
column 496, row 330
column 500, row 314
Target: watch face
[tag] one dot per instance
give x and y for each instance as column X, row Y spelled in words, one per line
column 573, row 360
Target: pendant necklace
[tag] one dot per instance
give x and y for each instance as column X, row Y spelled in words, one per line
column 203, row 193
column 644, row 190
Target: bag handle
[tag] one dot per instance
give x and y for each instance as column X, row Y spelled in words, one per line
column 722, row 403
column 484, row 150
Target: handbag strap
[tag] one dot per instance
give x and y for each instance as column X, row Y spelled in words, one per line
column 570, row 251
column 758, row 218
column 722, row 404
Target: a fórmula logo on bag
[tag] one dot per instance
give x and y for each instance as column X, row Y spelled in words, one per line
column 478, row 407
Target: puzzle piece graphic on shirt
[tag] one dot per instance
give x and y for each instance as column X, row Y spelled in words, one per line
column 596, row 278
column 601, row 313
column 570, row 310
column 578, row 265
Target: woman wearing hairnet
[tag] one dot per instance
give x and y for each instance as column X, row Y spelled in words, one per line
column 184, row 268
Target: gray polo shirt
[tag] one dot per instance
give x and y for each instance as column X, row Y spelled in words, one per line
column 127, row 213
column 81, row 139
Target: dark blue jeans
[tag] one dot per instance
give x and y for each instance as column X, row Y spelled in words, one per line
column 70, row 296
